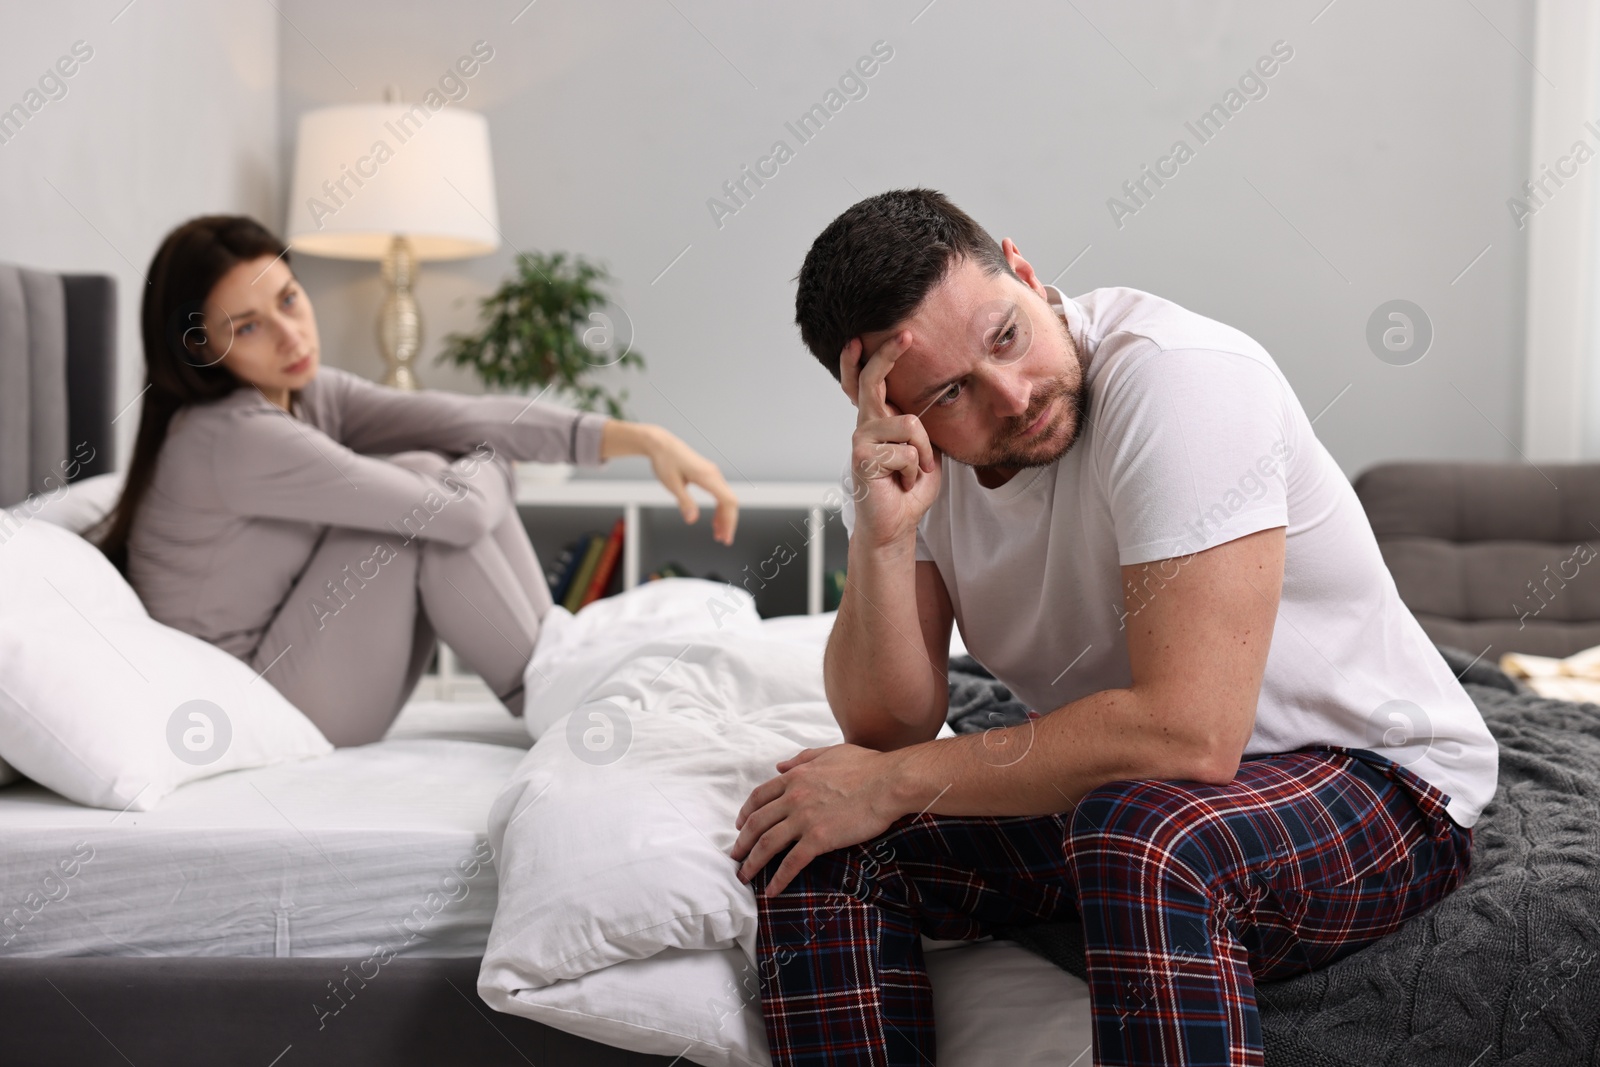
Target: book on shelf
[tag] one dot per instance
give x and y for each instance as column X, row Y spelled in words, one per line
column 614, row 586
column 589, row 568
column 606, row 565
column 559, row 573
column 580, row 579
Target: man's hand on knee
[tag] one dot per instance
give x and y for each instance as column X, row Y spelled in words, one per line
column 822, row 799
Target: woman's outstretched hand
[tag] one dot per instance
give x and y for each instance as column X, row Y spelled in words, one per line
column 676, row 466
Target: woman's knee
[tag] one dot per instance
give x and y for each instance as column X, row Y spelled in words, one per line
column 491, row 474
column 505, row 481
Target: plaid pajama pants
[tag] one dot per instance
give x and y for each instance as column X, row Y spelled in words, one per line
column 1187, row 893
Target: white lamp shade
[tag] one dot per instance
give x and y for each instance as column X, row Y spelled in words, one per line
column 364, row 173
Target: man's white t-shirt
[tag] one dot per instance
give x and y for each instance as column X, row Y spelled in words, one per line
column 1193, row 438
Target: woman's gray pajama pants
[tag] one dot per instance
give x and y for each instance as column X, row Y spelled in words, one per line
column 351, row 639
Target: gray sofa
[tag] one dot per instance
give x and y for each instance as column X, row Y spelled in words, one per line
column 1492, row 557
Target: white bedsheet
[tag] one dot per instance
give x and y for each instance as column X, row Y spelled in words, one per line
column 377, row 847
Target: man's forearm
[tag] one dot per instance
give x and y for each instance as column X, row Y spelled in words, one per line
column 1047, row 765
column 878, row 678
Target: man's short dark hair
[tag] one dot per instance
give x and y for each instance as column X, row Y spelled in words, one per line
column 876, row 262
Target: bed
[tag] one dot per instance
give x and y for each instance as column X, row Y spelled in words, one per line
column 326, row 910
column 354, row 908
column 170, row 958
column 284, row 910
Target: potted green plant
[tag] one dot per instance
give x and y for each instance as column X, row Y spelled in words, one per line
column 549, row 328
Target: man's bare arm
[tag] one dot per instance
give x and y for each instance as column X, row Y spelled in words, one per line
column 1197, row 648
column 886, row 668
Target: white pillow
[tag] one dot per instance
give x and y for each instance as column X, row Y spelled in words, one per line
column 704, row 1007
column 44, row 567
column 605, row 632
column 117, row 711
column 75, row 506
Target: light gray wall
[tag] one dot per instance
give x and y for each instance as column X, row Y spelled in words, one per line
column 1376, row 167
column 174, row 114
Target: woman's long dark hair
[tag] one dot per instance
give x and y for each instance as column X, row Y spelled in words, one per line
column 180, row 367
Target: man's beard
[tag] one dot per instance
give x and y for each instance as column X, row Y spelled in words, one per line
column 1018, row 452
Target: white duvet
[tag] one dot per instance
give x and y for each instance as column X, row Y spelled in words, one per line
column 620, row 917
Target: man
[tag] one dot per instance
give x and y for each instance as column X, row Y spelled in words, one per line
column 1250, row 760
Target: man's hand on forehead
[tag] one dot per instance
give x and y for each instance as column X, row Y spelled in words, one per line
column 899, row 441
column 1001, row 331
column 856, row 370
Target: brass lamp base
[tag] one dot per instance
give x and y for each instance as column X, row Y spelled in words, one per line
column 399, row 321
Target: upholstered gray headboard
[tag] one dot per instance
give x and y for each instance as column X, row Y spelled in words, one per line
column 1503, row 555
column 57, row 378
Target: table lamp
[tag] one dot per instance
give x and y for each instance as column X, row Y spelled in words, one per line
column 397, row 183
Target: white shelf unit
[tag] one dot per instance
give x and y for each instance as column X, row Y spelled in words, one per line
column 633, row 495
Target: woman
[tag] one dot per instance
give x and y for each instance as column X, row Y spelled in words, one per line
column 322, row 528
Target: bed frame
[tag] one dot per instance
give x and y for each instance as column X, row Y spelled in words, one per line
column 200, row 1011
column 1460, row 539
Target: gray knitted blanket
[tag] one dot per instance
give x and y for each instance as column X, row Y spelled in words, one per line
column 1505, row 970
